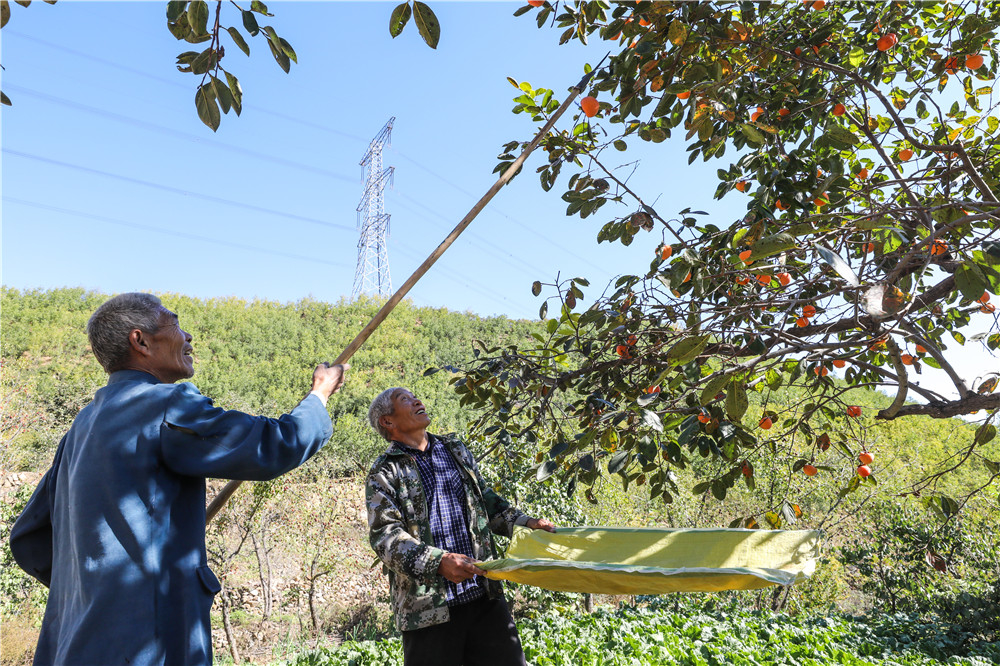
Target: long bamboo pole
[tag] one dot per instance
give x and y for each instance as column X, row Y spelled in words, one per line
column 227, row 491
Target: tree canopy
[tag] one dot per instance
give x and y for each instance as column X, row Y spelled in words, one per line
column 864, row 138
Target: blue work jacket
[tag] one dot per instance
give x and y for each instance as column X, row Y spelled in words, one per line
column 116, row 527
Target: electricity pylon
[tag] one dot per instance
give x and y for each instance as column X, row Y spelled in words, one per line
column 372, row 273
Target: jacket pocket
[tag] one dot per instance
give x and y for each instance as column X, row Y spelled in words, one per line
column 208, row 580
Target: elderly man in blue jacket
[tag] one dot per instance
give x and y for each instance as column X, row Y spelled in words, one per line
column 116, row 527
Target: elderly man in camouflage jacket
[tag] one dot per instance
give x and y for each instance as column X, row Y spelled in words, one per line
column 430, row 517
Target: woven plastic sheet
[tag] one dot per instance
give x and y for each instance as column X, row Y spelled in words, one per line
column 618, row 560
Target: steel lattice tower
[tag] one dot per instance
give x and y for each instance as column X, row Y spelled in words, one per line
column 372, row 273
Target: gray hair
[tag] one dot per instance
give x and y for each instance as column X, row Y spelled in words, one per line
column 382, row 406
column 109, row 327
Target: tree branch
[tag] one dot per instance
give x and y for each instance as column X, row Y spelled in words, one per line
column 944, row 409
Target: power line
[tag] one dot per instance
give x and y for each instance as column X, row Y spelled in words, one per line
column 87, row 56
column 178, row 234
column 471, row 238
column 177, row 190
column 198, row 139
column 457, row 277
column 488, row 293
column 305, row 123
column 497, row 211
column 172, row 132
column 177, row 84
column 403, row 251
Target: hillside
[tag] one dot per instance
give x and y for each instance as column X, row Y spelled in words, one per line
column 256, row 356
column 293, row 554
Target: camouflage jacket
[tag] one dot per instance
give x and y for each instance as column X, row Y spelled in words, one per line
column 400, row 532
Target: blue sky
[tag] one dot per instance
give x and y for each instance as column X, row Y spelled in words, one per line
column 110, row 181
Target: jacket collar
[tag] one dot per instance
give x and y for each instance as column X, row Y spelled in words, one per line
column 396, row 449
column 431, row 443
column 132, row 376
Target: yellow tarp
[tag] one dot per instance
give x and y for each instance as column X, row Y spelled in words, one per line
column 619, row 560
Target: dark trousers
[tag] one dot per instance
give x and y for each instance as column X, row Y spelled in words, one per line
column 479, row 633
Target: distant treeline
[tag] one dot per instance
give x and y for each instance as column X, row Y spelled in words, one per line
column 256, row 356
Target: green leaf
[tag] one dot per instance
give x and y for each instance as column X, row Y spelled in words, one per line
column 208, row 110
column 772, row 245
column 993, row 466
column 712, row 388
column 287, row 49
column 427, row 24
column 687, row 349
column 700, row 488
column 4, row 99
column 400, row 15
column 736, row 401
column 546, row 469
column 752, row 133
column 222, row 94
column 856, row 56
column 985, row 433
column 677, row 32
column 198, row 17
column 204, row 62
column 651, row 419
column 237, row 92
column 619, row 462
column 536, row 288
column 688, row 430
column 558, row 449
column 238, row 40
column 250, row 23
column 259, row 7
column 4, row 13
column 841, row 135
column 949, row 506
column 970, row 281
column 175, row 8
column 280, row 57
column 773, row 379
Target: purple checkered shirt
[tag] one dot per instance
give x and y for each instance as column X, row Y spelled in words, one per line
column 442, row 482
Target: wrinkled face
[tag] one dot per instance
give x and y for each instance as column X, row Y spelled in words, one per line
column 171, row 349
column 409, row 414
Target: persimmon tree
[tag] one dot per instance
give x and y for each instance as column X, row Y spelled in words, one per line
column 864, row 139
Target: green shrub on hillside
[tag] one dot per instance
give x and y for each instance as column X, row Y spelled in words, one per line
column 907, row 560
column 255, row 356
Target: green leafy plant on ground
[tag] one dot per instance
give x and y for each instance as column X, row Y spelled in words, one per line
column 636, row 636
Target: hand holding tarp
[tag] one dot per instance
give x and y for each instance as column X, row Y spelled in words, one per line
column 457, row 567
column 541, row 524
